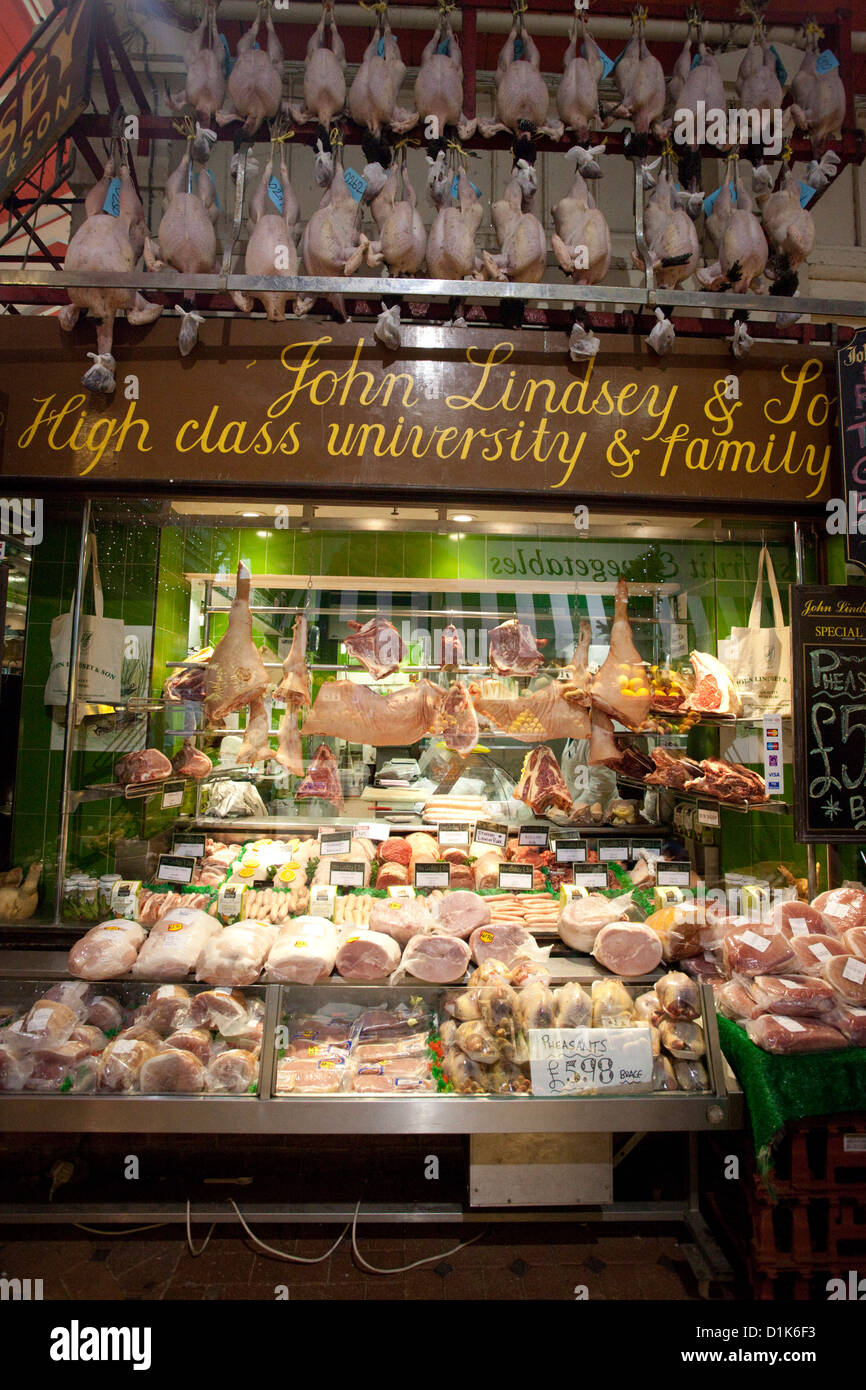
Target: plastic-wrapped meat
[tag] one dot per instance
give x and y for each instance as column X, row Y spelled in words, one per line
column 810, row 952
column 395, row 851
column 850, row 1019
column 505, row 942
column 797, row 919
column 107, row 951
column 782, row 1035
column 749, row 952
column 464, row 1005
column 612, row 1005
column 538, row 1006
column 105, row 1013
column 513, row 649
column 621, row 689
column 627, row 949
column 508, row 1079
column 647, row 1008
column 194, row 1040
column 304, row 952
column 68, row 1067
column 377, row 645
column 119, row 1065
column 457, row 724
column 467, row 1077
column 223, row 1009
column 389, row 1051
column 734, row 999
column 664, row 1076
column 191, row 762
column 148, row 765
column 393, row 1077
column 369, row 956
column 528, row 972
column 142, row 1033
column 93, row 1038
column 461, row 913
column 678, row 996
column 15, row 1068
column 475, row 1039
column 715, row 690
column 323, row 780
column 490, row 972
column 448, row 1033
column 164, row 1008
column 234, row 1072
column 847, row 975
column 170, row 1072
column 582, row 919
column 439, row 960
column 423, row 845
column 705, row 967
column 310, row 1076
column 47, row 1024
column 793, row 994
column 501, row 1012
column 401, row 918
column 235, row 955
column 175, row 944
column 682, row 1039
column 682, row 929
column 541, row 783
column 691, row 1075
column 77, row 997
column 451, row 648
column 844, row 908
column 854, row 939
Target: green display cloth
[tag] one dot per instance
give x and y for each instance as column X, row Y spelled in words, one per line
column 780, row 1090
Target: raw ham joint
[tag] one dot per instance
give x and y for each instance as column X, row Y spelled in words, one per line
column 541, row 782
column 322, row 779
column 620, row 689
column 451, row 653
column 377, row 645
column 458, row 722
column 514, row 649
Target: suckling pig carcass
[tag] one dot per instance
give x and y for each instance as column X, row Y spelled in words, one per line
column 535, row 718
column 324, row 74
column 577, row 93
column 236, row 674
column 451, row 243
column 344, row 709
column 256, row 81
column 439, row 87
column 333, row 243
column 522, row 98
column 274, row 228
column 522, row 253
column 187, row 237
column 620, row 690
column 205, row 74
column 581, row 242
column 106, row 242
column 818, row 106
column 323, row 779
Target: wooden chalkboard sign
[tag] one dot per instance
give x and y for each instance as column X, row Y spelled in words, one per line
column 828, row 641
column 851, row 381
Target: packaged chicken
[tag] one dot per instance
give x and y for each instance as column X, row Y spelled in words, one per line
column 734, row 999
column 782, row 1035
column 464, row 1004
column 573, row 1006
column 582, row 919
column 751, row 952
column 476, row 1040
column 627, row 949
column 106, row 952
column 491, row 972
column 682, row 1039
column 664, row 1076
column 401, row 918
column 175, row 944
column 850, row 1019
column 448, row 1033
column 843, row 907
column 528, row 972
column 508, row 1079
column 501, row 1012
column 647, row 1008
column 678, row 995
column 793, row 995
column 467, row 1077
column 611, row 1004
column 304, row 952
column 691, row 1075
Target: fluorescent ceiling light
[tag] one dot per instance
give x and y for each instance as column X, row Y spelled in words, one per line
column 250, row 513
column 462, row 516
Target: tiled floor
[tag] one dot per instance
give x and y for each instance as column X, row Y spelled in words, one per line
column 508, row 1262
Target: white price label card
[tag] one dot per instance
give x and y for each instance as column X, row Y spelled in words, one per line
column 124, row 897
column 570, row 851
column 646, row 849
column 187, row 845
column 707, row 815
column 855, row 970
column 590, row 1061
column 492, row 833
column 175, row 868
column 515, row 877
column 453, row 836
column 675, row 873
column 172, row 795
column 372, row 830
column 535, row 836
column 432, row 875
column 340, row 842
column 757, row 943
column 590, row 877
column 344, row 874
column 612, row 854
column 400, row 891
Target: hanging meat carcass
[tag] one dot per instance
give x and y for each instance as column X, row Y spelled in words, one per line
column 818, row 105
column 439, row 87
column 274, row 228
column 541, row 782
column 295, row 689
column 641, row 81
column 373, row 93
column 458, row 722
column 543, row 715
column 256, row 80
column 345, row 709
column 236, row 674
column 188, row 683
column 324, row 74
column 451, row 649
column 333, row 243
column 522, row 255
column 187, row 237
column 255, row 747
column 377, row 645
column 513, row 649
column 205, row 74
column 106, row 241
column 402, row 239
column 581, row 242
column 323, row 779
column 577, row 93
column 452, row 253
column 790, row 232
column 522, row 98
column 620, row 690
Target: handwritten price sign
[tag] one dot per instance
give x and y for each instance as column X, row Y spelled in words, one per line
column 590, row 1061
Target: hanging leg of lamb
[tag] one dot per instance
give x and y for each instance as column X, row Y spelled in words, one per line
column 451, row 650
column 289, row 752
column 603, row 748
column 344, row 709
column 323, row 780
column 377, row 645
column 255, row 747
column 513, row 649
column 620, row 689
column 191, row 762
column 458, row 722
column 541, row 783
column 205, row 75
column 236, row 674
column 294, row 687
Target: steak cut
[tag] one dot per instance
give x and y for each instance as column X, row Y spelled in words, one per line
column 541, row 782
column 377, row 645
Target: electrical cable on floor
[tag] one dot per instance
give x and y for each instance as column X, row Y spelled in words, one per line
column 130, row 1231
column 195, row 1253
column 404, row 1269
column 281, row 1254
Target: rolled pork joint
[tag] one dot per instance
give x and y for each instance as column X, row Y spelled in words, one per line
column 119, row 1065
column 222, row 1009
column 627, row 949
column 678, row 995
column 582, row 919
column 234, row 1071
column 439, row 960
column 304, row 952
column 164, row 1008
column 461, row 913
column 194, row 1040
column 573, row 1006
column 175, row 944
column 172, row 1071
column 401, row 918
column 612, row 1005
column 235, row 955
column 507, row 943
column 844, row 908
column 487, row 869
column 369, row 956
column 782, row 1035
column 106, row 952
column 752, row 952
column 682, row 1039
column 794, row 995
column 105, row 1013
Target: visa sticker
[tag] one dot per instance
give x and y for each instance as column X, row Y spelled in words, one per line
column 112, row 199
column 826, row 61
column 355, row 184
column 608, row 64
column 275, row 192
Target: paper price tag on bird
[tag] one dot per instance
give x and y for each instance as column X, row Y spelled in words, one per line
column 355, row 184
column 112, row 199
column 590, row 1061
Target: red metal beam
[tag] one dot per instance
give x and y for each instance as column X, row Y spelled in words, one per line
column 84, row 145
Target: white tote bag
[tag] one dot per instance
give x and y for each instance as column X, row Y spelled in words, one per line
column 759, row 658
column 101, row 649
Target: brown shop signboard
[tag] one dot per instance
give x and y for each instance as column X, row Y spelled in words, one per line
column 310, row 404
